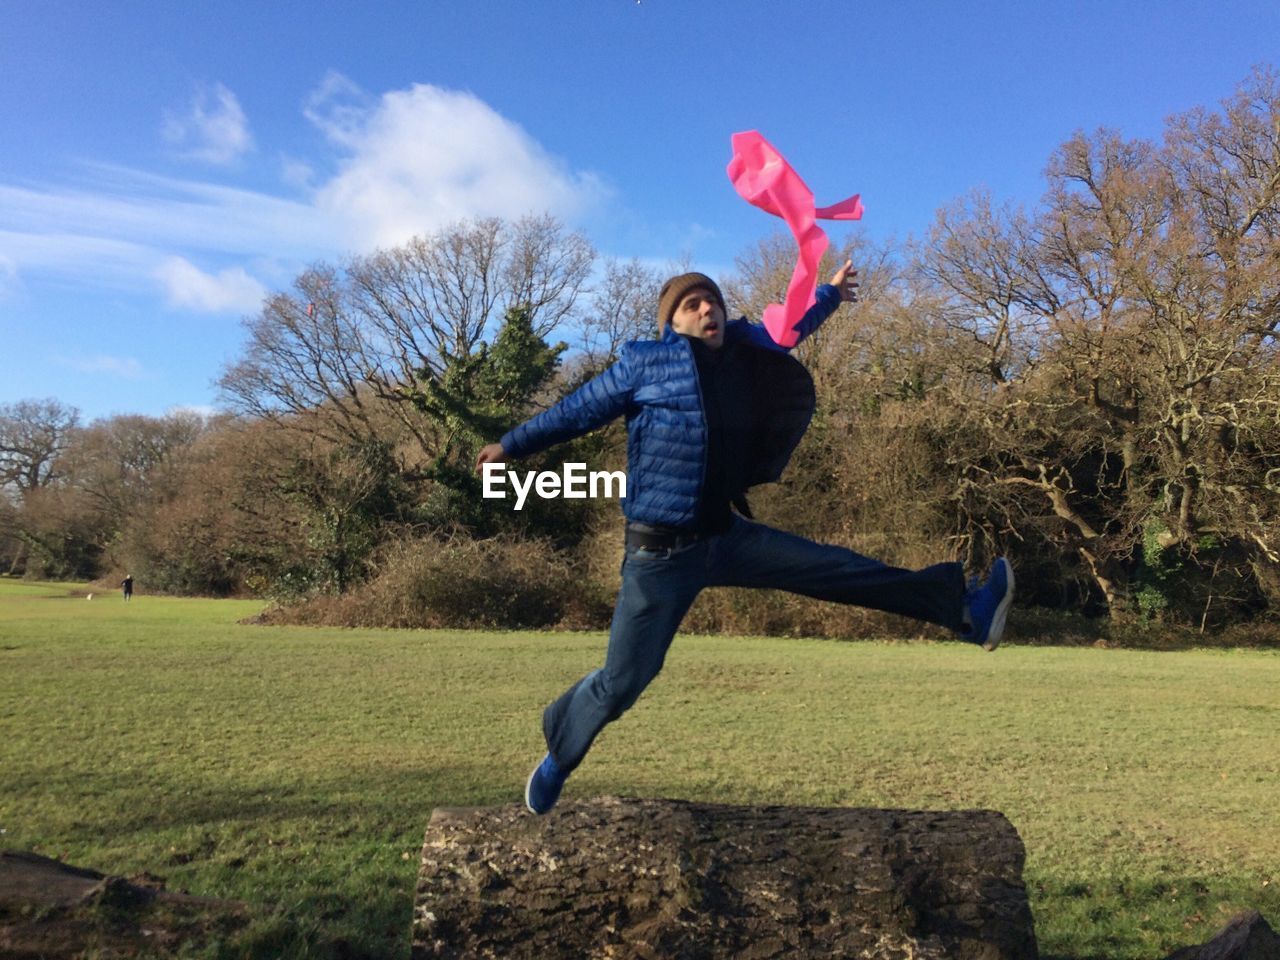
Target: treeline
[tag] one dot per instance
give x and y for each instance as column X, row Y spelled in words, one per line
column 1091, row 386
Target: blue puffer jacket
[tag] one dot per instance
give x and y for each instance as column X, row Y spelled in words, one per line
column 655, row 384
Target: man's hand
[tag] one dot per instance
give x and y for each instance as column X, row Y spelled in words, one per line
column 493, row 453
column 846, row 281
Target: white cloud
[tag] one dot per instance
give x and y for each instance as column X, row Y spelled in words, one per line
column 420, row 158
column 202, row 410
column 126, row 208
column 405, row 163
column 214, row 128
column 99, row 261
column 125, row 367
column 340, row 109
column 231, row 290
column 297, row 173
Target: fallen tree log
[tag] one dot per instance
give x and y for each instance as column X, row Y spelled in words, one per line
column 669, row 879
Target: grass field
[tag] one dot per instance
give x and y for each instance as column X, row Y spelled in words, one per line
column 296, row 768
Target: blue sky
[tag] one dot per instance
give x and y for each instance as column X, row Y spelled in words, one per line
column 163, row 164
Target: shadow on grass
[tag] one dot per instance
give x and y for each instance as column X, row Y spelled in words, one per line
column 328, row 867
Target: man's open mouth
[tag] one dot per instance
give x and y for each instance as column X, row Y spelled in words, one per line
column 709, row 328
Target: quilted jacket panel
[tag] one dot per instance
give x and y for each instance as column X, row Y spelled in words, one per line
column 655, row 386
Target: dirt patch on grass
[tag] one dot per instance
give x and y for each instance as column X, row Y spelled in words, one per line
column 50, row 909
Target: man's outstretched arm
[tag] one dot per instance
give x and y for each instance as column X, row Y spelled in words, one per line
column 592, row 405
column 845, row 282
column 843, row 288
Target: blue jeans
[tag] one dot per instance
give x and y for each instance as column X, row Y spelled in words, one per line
column 659, row 587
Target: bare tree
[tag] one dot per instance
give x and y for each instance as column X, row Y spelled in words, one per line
column 430, row 299
column 1130, row 328
column 33, row 434
column 347, row 352
column 623, row 307
column 123, row 463
column 306, row 352
column 546, row 271
column 436, row 298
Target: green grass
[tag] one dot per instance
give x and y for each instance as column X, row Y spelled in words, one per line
column 296, row 768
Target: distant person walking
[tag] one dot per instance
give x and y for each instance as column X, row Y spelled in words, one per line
column 127, row 585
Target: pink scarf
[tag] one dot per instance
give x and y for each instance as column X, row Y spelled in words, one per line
column 762, row 177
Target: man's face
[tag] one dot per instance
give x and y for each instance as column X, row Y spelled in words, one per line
column 698, row 314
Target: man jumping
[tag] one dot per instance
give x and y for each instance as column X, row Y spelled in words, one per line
column 712, row 409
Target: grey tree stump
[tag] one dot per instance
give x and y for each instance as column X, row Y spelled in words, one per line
column 668, row 880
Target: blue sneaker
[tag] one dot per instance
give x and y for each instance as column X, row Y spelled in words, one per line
column 543, row 789
column 988, row 606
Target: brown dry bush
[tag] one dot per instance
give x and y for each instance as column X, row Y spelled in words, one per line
column 458, row 582
column 774, row 613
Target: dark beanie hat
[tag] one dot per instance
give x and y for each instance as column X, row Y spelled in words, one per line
column 673, row 292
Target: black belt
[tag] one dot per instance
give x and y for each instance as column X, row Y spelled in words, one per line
column 644, row 537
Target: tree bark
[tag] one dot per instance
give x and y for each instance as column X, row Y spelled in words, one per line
column 616, row 877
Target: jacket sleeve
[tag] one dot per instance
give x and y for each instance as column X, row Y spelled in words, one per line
column 592, row 405
column 828, row 299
